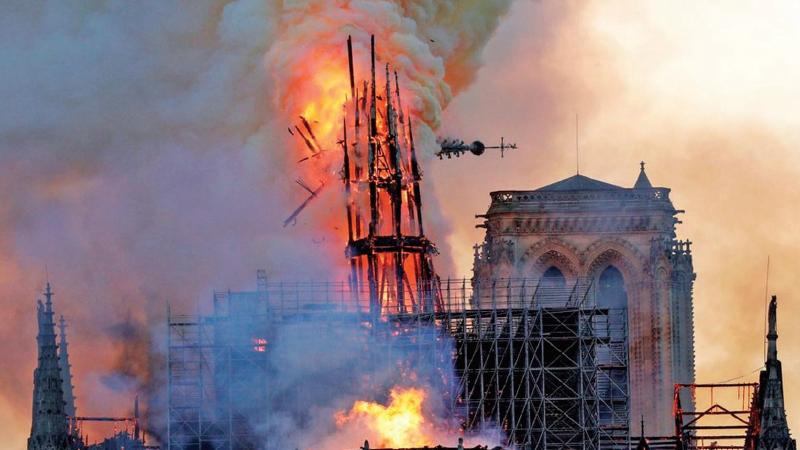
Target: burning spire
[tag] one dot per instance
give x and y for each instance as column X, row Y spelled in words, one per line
column 388, row 250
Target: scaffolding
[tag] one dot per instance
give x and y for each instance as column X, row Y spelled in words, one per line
column 727, row 420
column 547, row 366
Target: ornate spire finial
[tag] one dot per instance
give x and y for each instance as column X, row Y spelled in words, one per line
column 772, row 334
column 642, row 182
column 48, row 294
column 49, row 427
column 774, row 429
column 66, row 372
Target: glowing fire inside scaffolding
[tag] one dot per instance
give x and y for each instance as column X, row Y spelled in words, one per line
column 399, row 424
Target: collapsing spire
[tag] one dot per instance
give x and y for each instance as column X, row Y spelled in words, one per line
column 388, row 251
column 49, row 428
column 774, row 430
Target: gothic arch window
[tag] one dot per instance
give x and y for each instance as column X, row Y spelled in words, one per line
column 611, row 292
column 553, row 278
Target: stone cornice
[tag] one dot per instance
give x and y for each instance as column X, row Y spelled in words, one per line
column 541, row 201
column 548, row 224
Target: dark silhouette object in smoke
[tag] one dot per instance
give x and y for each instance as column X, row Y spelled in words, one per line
column 313, row 193
column 455, row 147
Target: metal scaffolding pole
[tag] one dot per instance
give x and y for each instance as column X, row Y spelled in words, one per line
column 547, row 367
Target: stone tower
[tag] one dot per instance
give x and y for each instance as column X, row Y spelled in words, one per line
column 620, row 242
column 773, row 431
column 66, row 373
column 49, row 427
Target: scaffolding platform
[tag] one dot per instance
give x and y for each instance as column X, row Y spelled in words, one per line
column 547, row 366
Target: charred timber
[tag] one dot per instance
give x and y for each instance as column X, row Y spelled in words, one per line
column 389, row 253
column 389, row 244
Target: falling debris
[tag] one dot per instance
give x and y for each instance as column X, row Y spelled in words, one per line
column 310, row 131
column 455, row 147
column 309, row 139
column 292, row 219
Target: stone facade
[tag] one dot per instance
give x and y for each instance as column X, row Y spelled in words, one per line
column 621, row 241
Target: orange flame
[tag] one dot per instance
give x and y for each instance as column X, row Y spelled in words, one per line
column 326, row 92
column 318, row 94
column 400, row 424
column 330, row 128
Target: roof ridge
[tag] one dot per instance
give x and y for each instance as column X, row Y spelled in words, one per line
column 579, row 183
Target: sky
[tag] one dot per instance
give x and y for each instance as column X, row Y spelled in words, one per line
column 138, row 169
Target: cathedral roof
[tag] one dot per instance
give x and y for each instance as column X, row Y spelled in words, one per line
column 579, row 183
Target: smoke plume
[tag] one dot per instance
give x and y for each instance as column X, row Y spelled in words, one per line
column 144, row 161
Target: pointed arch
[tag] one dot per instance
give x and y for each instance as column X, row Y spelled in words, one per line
column 550, row 253
column 617, row 252
column 611, row 290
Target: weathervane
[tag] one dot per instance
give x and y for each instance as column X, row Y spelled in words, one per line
column 456, row 147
